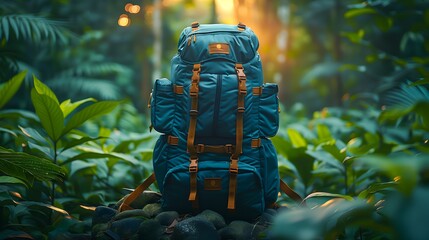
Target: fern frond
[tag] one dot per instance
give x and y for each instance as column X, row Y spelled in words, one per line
column 97, row 88
column 407, row 95
column 33, row 28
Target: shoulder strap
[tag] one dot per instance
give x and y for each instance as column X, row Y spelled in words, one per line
column 291, row 193
column 126, row 205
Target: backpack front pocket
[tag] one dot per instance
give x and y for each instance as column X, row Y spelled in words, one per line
column 212, row 190
column 162, row 106
column 269, row 110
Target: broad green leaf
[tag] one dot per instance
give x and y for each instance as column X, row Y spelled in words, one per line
column 76, row 142
column 357, row 146
column 28, row 167
column 82, row 167
column 327, row 158
column 42, row 89
column 89, row 112
column 334, row 151
column 127, row 145
column 375, row 188
column 16, row 114
column 296, row 138
column 146, row 154
column 359, row 12
column 9, row 88
column 34, row 134
column 67, row 106
column 50, row 114
column 323, row 133
column 328, row 195
column 11, row 180
column 7, row 131
column 404, row 169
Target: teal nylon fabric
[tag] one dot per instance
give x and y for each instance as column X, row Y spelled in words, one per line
column 258, row 178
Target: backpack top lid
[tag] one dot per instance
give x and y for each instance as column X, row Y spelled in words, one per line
column 203, row 42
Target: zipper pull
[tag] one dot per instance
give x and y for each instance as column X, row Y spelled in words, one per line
column 195, row 37
column 189, row 41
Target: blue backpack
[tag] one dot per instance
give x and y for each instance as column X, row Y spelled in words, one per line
column 216, row 116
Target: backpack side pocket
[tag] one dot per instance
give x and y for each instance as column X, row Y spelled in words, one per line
column 269, row 170
column 162, row 106
column 269, row 110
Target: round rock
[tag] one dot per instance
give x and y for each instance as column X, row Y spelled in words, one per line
column 240, row 230
column 215, row 218
column 150, row 229
column 195, row 228
column 152, row 209
column 127, row 227
column 166, row 218
column 103, row 214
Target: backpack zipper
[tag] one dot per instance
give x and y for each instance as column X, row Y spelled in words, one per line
column 217, row 103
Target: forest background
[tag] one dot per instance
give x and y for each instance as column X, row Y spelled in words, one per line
column 76, row 77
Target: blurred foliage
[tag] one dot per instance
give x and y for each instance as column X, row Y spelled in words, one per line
column 353, row 139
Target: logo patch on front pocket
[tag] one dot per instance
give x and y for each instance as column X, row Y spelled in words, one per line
column 212, row 184
column 219, row 48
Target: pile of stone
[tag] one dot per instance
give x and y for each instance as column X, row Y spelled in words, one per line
column 148, row 221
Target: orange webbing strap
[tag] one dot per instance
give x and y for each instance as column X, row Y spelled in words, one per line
column 291, row 193
column 193, row 165
column 233, row 168
column 227, row 149
column 126, row 204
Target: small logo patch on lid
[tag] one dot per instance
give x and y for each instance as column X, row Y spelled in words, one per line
column 218, row 48
column 212, row 184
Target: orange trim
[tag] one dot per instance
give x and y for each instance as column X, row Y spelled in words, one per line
column 126, row 205
column 178, row 89
column 257, row 91
column 256, row 143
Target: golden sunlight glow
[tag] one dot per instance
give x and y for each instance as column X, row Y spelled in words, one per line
column 124, row 20
column 225, row 11
column 134, row 9
column 397, row 178
column 127, row 6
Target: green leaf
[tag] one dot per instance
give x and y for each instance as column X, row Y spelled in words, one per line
column 89, row 112
column 67, row 106
column 359, row 12
column 421, row 82
column 95, row 155
column 42, row 89
column 375, row 188
column 8, row 131
column 383, row 23
column 9, row 88
column 404, row 169
column 328, row 195
column 11, row 180
column 28, row 167
column 50, row 114
column 324, row 133
column 334, row 151
column 296, row 138
column 76, row 142
column 16, row 114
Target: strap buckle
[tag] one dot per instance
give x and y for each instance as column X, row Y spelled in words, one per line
column 228, row 148
column 241, row 109
column 193, row 166
column 233, row 166
column 200, row 148
column 193, row 112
